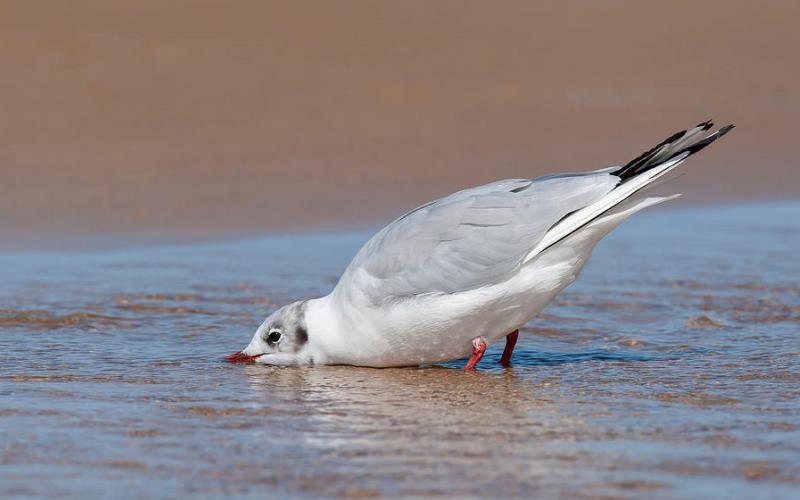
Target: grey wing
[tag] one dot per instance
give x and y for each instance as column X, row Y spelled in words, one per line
column 472, row 238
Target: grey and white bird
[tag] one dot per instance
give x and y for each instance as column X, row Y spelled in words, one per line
column 462, row 272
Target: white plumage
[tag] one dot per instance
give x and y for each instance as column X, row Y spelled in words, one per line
column 473, row 266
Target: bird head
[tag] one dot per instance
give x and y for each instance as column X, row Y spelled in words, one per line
column 279, row 340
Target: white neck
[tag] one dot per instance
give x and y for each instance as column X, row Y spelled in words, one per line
column 340, row 333
column 326, row 339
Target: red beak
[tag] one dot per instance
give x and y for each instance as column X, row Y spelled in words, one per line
column 240, row 357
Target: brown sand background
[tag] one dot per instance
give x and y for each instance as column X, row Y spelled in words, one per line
column 192, row 119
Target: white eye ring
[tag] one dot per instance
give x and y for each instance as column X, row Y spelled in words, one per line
column 274, row 337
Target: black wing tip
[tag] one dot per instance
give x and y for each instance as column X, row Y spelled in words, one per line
column 674, row 137
column 700, row 145
column 706, row 125
column 644, row 162
column 724, row 130
column 709, row 124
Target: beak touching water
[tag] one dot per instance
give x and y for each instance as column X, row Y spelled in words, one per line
column 240, row 357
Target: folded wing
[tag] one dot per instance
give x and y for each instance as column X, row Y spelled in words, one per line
column 472, row 238
column 481, row 236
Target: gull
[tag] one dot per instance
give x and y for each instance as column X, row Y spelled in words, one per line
column 451, row 277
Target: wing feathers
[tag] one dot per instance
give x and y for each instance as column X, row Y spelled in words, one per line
column 466, row 240
column 482, row 235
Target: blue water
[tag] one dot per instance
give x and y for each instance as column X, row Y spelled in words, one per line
column 671, row 368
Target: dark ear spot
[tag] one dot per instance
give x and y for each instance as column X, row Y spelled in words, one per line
column 302, row 335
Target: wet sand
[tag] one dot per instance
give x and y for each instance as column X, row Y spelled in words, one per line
column 670, row 369
column 191, row 119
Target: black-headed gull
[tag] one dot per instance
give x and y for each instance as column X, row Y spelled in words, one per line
column 457, row 274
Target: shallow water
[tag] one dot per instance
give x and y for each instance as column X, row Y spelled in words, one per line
column 671, row 368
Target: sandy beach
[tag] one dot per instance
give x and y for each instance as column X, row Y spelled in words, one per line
column 196, row 119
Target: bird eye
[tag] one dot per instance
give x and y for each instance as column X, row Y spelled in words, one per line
column 274, row 336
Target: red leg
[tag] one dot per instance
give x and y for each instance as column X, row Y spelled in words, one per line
column 511, row 341
column 478, row 348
